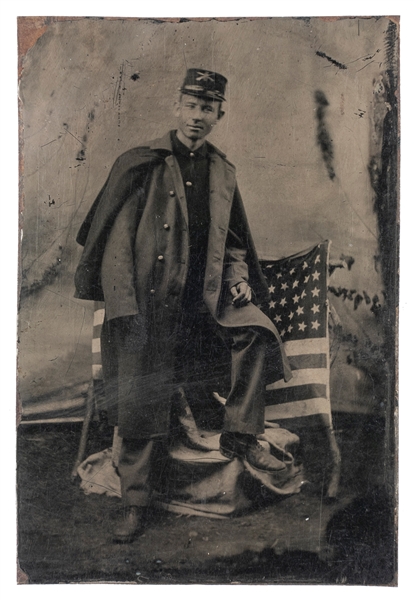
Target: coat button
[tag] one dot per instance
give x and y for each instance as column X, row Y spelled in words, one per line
column 188, row 183
column 192, row 154
column 160, row 257
column 172, row 193
column 152, row 292
column 166, row 226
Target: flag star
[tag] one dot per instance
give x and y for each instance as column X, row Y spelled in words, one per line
column 295, row 284
column 284, row 286
column 305, row 265
column 291, row 315
column 303, row 294
column 299, row 310
column 307, row 278
column 271, row 289
column 272, row 304
column 292, row 271
column 282, row 333
column 316, row 276
column 283, row 302
column 279, row 275
column 259, row 306
column 317, row 259
column 302, row 326
column 315, row 325
column 315, row 308
column 289, row 329
column 277, row 318
column 296, row 298
column 315, row 291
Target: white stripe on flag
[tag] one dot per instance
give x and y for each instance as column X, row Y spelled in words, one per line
column 98, row 316
column 302, row 377
column 309, row 346
column 96, row 345
column 97, row 372
column 300, row 408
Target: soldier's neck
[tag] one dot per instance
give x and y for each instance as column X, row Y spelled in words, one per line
column 191, row 144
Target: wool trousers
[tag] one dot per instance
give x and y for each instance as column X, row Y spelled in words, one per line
column 142, row 461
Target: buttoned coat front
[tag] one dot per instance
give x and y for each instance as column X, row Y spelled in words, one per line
column 147, row 179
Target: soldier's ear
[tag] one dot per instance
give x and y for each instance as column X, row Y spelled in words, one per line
column 221, row 114
column 176, row 108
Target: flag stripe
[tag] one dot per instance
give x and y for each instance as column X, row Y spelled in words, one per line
column 293, row 394
column 98, row 316
column 96, row 345
column 305, row 408
column 302, row 377
column 309, row 346
column 308, row 361
column 97, row 371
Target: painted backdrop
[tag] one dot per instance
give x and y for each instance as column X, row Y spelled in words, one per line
column 308, row 100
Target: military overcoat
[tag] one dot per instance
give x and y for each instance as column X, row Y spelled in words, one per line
column 148, row 178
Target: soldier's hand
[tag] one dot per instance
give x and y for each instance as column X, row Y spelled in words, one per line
column 242, row 294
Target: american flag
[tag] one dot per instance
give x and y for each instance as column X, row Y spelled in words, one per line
column 98, row 319
column 298, row 307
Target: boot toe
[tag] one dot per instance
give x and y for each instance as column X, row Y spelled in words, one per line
column 129, row 527
column 248, row 447
column 259, row 459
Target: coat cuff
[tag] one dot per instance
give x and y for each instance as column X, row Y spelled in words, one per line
column 232, row 282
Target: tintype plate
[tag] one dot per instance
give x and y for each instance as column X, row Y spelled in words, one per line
column 311, row 124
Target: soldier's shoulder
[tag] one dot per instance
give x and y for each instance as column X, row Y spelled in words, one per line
column 214, row 150
column 138, row 155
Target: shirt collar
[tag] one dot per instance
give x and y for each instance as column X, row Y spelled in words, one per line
column 164, row 144
column 180, row 148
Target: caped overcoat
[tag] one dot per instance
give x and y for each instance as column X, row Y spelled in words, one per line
column 148, row 178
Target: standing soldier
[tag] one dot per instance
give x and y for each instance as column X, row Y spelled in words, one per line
column 167, row 246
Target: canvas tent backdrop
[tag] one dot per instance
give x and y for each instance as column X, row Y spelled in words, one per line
column 308, row 100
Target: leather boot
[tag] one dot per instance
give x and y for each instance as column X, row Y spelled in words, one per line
column 247, row 446
column 129, row 526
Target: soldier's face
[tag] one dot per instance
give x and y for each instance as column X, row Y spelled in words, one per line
column 196, row 116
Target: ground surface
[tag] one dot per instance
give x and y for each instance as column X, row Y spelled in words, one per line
column 65, row 536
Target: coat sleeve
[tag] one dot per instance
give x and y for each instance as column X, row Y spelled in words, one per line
column 241, row 262
column 236, row 269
